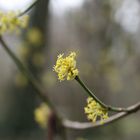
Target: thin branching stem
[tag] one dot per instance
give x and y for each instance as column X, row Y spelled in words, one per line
column 86, row 125
column 28, row 9
column 91, row 94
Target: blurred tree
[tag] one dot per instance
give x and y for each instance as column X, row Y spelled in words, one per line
column 32, row 52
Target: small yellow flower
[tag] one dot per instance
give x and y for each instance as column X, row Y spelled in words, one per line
column 41, row 115
column 66, row 67
column 11, row 22
column 94, row 110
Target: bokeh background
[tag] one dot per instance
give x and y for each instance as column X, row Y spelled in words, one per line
column 105, row 36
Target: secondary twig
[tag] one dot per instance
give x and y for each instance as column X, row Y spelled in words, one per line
column 86, row 125
column 91, row 94
column 28, row 9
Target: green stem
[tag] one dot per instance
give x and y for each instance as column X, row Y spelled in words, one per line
column 28, row 9
column 91, row 94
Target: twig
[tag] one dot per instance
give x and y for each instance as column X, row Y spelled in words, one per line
column 28, row 9
column 86, row 125
column 109, row 108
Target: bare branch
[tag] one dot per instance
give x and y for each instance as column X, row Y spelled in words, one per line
column 85, row 125
column 28, row 9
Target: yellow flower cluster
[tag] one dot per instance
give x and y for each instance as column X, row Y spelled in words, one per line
column 41, row 115
column 11, row 22
column 95, row 110
column 66, row 67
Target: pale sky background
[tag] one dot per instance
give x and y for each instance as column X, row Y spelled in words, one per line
column 64, row 5
column 127, row 14
column 13, row 4
column 56, row 5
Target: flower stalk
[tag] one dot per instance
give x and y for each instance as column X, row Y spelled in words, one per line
column 91, row 94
